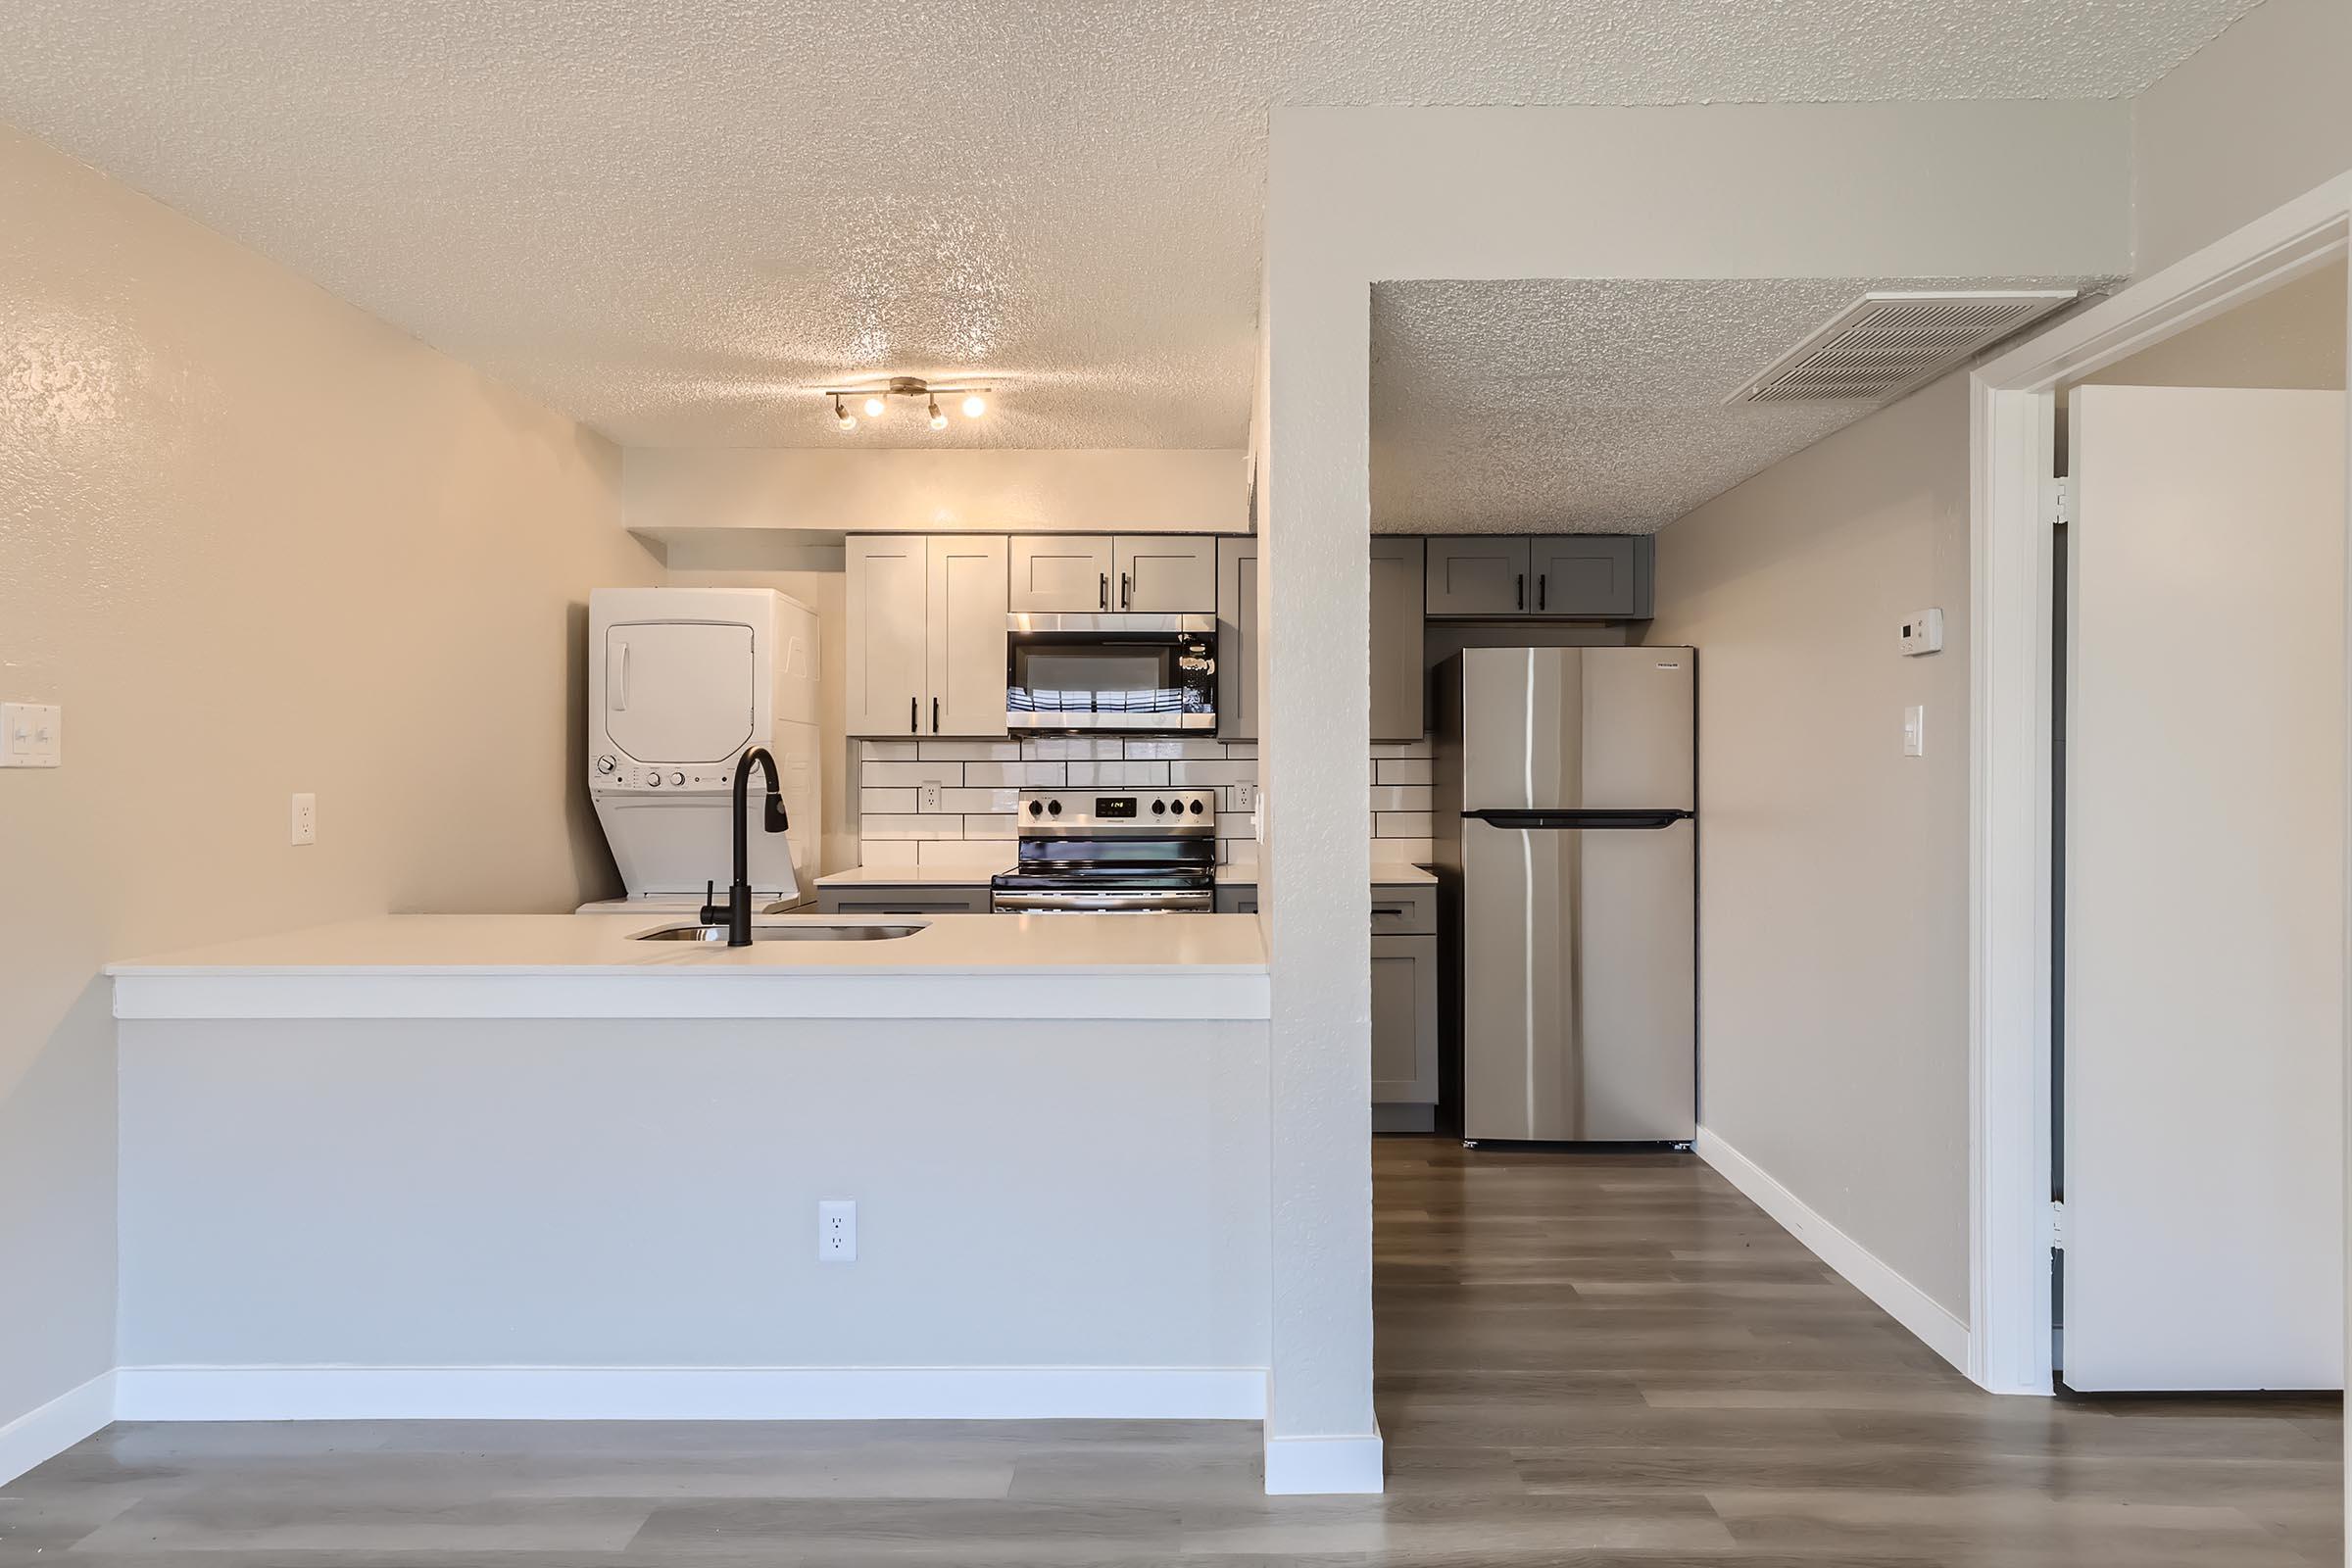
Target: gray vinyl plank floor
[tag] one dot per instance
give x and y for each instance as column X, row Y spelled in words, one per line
column 1583, row 1361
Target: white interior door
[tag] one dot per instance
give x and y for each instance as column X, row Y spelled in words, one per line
column 2204, row 1046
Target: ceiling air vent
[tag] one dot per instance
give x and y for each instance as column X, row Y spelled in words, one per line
column 1884, row 344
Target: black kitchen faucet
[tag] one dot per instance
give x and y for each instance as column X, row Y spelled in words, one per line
column 738, row 909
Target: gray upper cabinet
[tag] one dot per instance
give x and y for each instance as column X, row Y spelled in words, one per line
column 1478, row 575
column 1590, row 574
column 1399, row 683
column 1237, row 638
column 1165, row 573
column 1063, row 572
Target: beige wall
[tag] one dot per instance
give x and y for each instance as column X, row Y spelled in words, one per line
column 255, row 542
column 1833, row 869
column 2256, row 118
column 850, row 488
column 2292, row 338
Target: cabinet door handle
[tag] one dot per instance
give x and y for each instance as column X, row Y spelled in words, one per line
column 1106, row 604
column 1542, row 581
column 914, row 716
column 934, row 716
column 1523, row 590
column 1126, row 592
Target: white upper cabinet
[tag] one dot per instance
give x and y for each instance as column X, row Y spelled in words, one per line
column 1062, row 573
column 1165, row 573
column 926, row 634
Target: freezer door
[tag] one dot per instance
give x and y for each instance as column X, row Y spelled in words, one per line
column 1577, row 727
column 1579, row 1019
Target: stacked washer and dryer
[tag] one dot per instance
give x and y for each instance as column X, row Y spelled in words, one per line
column 680, row 681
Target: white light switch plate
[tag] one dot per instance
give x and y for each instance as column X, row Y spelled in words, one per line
column 31, row 735
column 1915, row 732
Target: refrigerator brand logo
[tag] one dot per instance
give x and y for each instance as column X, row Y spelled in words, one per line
column 1670, row 666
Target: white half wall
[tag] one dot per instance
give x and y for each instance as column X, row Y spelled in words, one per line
column 902, row 489
column 1832, row 988
column 593, row 1218
column 255, row 542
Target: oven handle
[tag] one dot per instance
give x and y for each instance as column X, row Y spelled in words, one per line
column 1102, row 902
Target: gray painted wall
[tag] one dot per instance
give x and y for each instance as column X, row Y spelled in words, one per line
column 1833, row 869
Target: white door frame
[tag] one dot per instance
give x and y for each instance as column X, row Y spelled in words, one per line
column 2012, row 422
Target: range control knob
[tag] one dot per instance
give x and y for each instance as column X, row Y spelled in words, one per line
column 1159, row 807
column 1196, row 807
column 1054, row 808
column 1037, row 808
column 606, row 765
column 677, row 778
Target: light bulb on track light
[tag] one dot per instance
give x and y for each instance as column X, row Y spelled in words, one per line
column 939, row 421
column 842, row 417
column 975, row 406
column 874, row 407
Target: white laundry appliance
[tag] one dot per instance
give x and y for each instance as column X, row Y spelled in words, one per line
column 680, row 681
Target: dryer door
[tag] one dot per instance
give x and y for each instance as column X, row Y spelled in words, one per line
column 678, row 691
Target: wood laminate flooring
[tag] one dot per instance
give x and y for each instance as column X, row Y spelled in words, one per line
column 1584, row 1359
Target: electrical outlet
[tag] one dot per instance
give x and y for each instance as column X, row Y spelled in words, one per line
column 931, row 801
column 1244, row 797
column 837, row 1230
column 305, row 819
column 1915, row 732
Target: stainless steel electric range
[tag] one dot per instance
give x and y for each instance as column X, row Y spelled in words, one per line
column 1118, row 852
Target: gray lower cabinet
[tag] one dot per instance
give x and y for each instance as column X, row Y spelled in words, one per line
column 873, row 898
column 1404, row 999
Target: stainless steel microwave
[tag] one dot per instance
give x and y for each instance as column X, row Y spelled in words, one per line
column 1122, row 671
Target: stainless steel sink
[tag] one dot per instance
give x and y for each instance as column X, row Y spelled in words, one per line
column 784, row 933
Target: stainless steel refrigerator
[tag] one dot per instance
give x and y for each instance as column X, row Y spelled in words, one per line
column 1566, row 839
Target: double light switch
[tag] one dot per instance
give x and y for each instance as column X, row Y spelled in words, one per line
column 31, row 735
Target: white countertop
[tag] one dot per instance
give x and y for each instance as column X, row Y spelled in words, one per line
column 588, row 965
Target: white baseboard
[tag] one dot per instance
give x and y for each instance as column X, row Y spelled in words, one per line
column 1296, row 1466
column 687, row 1393
column 1934, row 1324
column 43, row 1433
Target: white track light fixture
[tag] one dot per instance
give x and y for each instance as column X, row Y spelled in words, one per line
column 876, row 400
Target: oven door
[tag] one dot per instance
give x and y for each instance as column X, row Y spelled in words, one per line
column 1103, row 900
column 1131, row 672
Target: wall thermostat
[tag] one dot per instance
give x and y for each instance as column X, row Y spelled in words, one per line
column 1923, row 632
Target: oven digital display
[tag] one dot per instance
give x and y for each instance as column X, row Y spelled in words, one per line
column 1109, row 806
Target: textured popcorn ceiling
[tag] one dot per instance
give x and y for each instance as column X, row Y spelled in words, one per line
column 667, row 217
column 1593, row 405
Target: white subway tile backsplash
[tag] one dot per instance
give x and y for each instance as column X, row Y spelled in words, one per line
column 882, row 825
column 980, row 783
column 1197, row 775
column 874, row 773
column 1021, row 775
column 1407, row 851
column 1172, row 749
column 999, row 802
column 1400, row 796
column 971, row 750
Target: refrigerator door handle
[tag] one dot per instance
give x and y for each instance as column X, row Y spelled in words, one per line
column 1586, row 817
